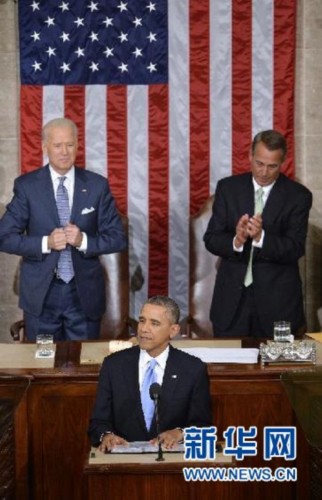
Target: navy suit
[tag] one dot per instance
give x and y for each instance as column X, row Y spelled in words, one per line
column 184, row 399
column 276, row 280
column 32, row 214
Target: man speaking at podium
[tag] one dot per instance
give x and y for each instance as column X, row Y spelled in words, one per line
column 124, row 410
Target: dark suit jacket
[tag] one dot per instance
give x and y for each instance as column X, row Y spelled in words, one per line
column 184, row 399
column 32, row 214
column 276, row 279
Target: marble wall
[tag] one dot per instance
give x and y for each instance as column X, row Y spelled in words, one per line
column 308, row 134
column 9, row 154
column 308, row 130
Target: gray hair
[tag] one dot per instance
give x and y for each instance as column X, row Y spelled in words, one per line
column 170, row 305
column 272, row 139
column 58, row 122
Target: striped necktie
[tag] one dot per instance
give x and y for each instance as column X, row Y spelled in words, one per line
column 147, row 402
column 65, row 269
column 259, row 205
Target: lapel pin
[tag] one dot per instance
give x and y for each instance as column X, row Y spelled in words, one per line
column 84, row 190
column 173, row 376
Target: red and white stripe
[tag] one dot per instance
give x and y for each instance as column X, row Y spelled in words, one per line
column 164, row 147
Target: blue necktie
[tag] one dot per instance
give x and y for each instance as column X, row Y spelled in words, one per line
column 65, row 269
column 147, row 402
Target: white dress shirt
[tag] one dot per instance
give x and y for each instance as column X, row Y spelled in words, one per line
column 144, row 360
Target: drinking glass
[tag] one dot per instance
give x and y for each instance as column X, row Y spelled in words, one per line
column 282, row 331
column 45, row 345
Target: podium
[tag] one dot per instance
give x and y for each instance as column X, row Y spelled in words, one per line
column 140, row 476
column 46, row 406
column 304, row 390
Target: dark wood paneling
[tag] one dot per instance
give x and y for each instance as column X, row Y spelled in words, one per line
column 151, row 487
column 13, row 438
column 59, row 416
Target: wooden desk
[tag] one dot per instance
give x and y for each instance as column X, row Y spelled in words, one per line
column 57, row 406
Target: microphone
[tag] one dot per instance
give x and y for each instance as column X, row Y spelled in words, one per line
column 155, row 392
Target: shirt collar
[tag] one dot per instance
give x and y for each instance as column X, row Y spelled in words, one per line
column 266, row 189
column 70, row 175
column 161, row 359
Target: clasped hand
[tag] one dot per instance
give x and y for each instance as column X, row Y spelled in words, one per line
column 60, row 237
column 248, row 227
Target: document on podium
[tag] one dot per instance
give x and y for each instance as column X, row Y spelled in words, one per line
column 144, row 447
column 223, row 355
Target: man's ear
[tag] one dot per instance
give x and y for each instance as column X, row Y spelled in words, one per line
column 174, row 330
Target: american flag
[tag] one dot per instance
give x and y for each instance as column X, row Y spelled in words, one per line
column 167, row 96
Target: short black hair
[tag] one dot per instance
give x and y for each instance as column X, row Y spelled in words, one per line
column 169, row 304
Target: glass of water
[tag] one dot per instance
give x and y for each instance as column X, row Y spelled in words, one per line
column 45, row 345
column 282, row 331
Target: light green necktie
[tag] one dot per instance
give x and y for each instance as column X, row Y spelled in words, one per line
column 259, row 205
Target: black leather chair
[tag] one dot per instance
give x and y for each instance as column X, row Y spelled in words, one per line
column 203, row 270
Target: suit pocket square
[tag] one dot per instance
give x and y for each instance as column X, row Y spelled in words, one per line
column 88, row 210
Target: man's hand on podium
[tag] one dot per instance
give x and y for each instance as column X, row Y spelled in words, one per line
column 169, row 439
column 109, row 440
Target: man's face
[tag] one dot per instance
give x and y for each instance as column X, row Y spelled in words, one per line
column 155, row 329
column 60, row 145
column 265, row 164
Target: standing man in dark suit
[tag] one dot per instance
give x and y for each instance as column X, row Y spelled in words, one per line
column 118, row 415
column 60, row 219
column 258, row 279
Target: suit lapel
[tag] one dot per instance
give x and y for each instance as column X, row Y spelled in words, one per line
column 131, row 377
column 275, row 201
column 245, row 204
column 80, row 194
column 245, row 195
column 131, row 373
column 172, row 376
column 171, row 373
column 46, row 195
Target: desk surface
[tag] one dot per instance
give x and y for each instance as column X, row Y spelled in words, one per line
column 18, row 359
column 16, row 356
column 97, row 458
